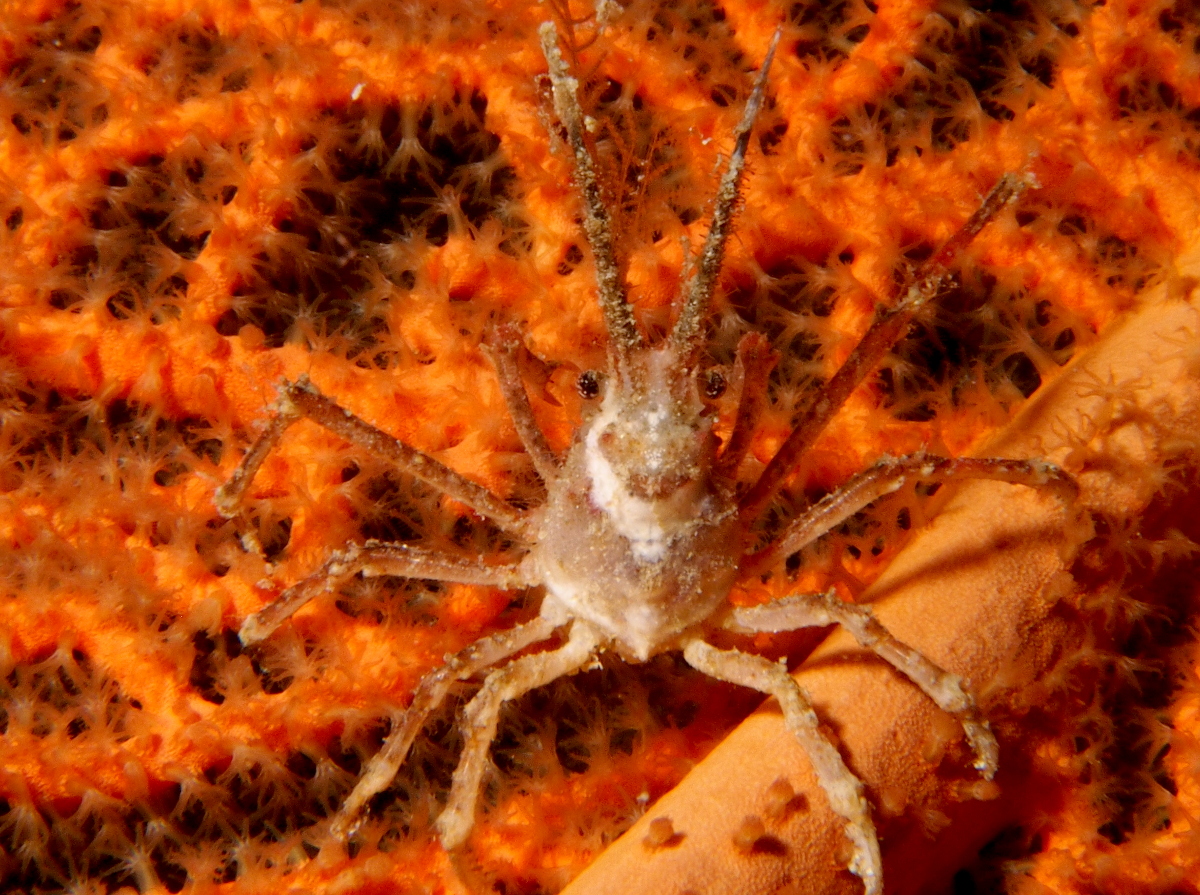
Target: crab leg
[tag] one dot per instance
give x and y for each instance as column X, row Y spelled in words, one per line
column 373, row 559
column 944, row 688
column 302, row 400
column 428, row 696
column 754, row 362
column 843, row 789
column 483, row 713
column 887, row 329
column 888, row 475
column 501, row 348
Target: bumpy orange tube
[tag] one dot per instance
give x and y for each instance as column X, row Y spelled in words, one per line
column 981, row 590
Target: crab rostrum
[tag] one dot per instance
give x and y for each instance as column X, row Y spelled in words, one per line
column 644, row 530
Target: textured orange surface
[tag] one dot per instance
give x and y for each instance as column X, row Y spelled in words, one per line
column 199, row 200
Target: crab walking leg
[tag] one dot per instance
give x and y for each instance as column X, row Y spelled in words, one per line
column 944, row 688
column 844, row 790
column 889, row 326
column 482, row 715
column 888, row 475
column 229, row 497
column 428, row 696
column 302, row 400
column 374, row 559
column 501, row 347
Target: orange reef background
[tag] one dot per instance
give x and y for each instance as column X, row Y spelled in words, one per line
column 200, row 200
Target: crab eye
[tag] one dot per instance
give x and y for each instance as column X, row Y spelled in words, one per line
column 588, row 384
column 714, row 384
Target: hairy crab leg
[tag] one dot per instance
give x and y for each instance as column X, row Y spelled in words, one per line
column 888, row 475
column 373, row 559
column 501, row 348
column 482, row 715
column 382, row 768
column 889, row 326
column 302, row 400
column 231, row 495
column 843, row 789
column 624, row 336
column 754, row 362
column 819, row 610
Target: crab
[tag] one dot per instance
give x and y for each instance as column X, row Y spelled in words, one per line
column 644, row 530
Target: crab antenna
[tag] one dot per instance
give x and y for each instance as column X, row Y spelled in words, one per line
column 687, row 335
column 624, row 337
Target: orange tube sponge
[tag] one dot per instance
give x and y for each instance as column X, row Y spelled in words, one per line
column 987, row 591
